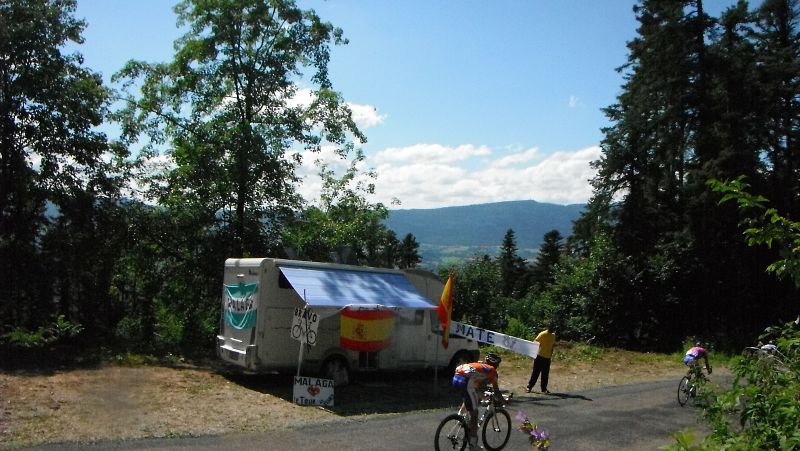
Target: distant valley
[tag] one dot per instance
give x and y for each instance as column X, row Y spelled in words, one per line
column 466, row 231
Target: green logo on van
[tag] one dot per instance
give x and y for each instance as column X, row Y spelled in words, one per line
column 240, row 305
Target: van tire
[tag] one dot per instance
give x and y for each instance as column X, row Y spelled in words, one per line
column 459, row 358
column 336, row 368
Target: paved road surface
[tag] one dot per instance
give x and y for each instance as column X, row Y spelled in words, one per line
column 630, row 417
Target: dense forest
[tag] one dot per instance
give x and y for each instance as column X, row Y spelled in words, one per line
column 656, row 259
column 118, row 244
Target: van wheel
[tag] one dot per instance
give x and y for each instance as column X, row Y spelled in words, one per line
column 460, row 358
column 336, row 368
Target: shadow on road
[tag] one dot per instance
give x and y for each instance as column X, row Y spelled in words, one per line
column 571, row 396
column 547, row 398
column 369, row 393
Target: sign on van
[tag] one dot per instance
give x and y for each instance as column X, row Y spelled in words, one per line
column 305, row 324
column 312, row 391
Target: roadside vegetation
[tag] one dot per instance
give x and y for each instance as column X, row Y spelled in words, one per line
column 761, row 409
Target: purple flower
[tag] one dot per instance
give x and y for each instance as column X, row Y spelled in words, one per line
column 537, row 437
column 539, row 434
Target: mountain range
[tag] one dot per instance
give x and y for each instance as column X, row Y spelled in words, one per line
column 466, row 231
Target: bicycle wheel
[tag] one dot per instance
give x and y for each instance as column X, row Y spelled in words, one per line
column 496, row 429
column 451, row 433
column 683, row 391
column 296, row 331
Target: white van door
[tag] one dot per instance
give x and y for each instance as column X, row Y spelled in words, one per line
column 240, row 302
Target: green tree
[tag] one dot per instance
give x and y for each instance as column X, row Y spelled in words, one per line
column 765, row 227
column 57, row 188
column 547, row 259
column 513, row 274
column 389, row 252
column 647, row 158
column 655, row 124
column 763, row 396
column 343, row 225
column 776, row 40
column 477, row 299
column 408, row 256
column 246, row 91
column 692, row 107
column 226, row 109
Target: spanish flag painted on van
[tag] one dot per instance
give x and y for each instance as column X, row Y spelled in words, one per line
column 366, row 330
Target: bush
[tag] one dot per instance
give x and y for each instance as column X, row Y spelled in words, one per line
column 46, row 345
column 58, row 331
column 517, row 328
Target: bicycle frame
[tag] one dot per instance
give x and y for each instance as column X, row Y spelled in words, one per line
column 493, row 421
column 695, row 372
column 690, row 384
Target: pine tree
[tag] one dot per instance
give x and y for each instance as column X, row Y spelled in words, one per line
column 548, row 258
column 777, row 43
column 510, row 264
column 657, row 137
column 408, row 254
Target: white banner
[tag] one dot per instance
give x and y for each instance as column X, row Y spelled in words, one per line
column 311, row 391
column 514, row 344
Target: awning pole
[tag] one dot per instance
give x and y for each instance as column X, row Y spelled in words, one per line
column 436, row 371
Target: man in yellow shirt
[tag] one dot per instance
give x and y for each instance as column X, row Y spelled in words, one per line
column 541, row 365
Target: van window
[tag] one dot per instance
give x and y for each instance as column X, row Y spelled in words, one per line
column 409, row 318
column 435, row 327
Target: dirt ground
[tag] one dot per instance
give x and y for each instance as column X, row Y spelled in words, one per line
column 125, row 402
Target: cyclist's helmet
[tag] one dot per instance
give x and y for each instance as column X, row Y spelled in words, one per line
column 493, row 359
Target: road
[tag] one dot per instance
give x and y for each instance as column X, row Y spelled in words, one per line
column 630, row 417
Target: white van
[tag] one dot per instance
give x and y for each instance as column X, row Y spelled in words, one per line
column 262, row 296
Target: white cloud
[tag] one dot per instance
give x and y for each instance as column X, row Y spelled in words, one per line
column 429, row 153
column 302, row 97
column 517, row 158
column 366, row 116
column 433, row 175
column 561, row 177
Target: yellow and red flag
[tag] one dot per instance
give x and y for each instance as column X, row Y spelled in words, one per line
column 446, row 309
column 366, row 330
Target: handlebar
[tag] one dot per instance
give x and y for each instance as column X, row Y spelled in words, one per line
column 504, row 398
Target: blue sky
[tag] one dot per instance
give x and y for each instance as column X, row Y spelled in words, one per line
column 462, row 102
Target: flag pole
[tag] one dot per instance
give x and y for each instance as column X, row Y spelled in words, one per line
column 436, row 373
column 302, row 342
column 445, row 310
